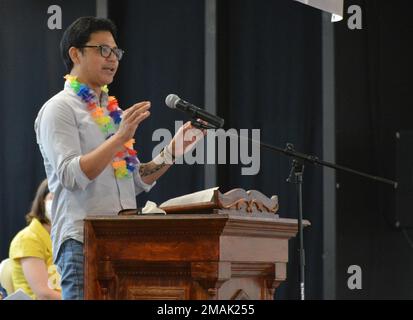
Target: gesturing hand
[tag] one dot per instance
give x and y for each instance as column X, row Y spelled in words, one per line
column 131, row 118
column 185, row 139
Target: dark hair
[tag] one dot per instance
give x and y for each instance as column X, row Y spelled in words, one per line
column 38, row 210
column 78, row 34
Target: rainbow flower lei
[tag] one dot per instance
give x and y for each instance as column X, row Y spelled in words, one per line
column 125, row 162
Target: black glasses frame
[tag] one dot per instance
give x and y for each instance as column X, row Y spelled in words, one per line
column 116, row 51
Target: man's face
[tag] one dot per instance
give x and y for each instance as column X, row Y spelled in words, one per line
column 96, row 69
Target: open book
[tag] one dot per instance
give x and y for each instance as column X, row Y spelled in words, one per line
column 205, row 201
column 200, row 197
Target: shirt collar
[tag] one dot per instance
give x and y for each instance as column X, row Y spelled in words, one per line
column 104, row 96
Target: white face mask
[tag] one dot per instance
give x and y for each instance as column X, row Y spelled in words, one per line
column 48, row 208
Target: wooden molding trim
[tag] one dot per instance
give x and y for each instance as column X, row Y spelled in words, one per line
column 157, row 293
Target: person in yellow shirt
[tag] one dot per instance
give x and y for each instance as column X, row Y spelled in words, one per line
column 33, row 270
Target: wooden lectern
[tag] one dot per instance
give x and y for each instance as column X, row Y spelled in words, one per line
column 228, row 250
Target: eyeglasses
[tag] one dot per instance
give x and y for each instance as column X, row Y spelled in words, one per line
column 105, row 51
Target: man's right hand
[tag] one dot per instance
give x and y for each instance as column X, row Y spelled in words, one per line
column 93, row 163
column 131, row 118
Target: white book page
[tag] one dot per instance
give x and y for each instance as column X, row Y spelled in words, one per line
column 196, row 197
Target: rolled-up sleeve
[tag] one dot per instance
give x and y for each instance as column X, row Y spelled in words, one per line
column 58, row 137
column 139, row 184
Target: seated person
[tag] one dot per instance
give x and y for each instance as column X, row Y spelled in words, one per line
column 31, row 251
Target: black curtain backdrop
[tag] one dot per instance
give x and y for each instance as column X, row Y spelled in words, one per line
column 31, row 72
column 164, row 44
column 373, row 101
column 269, row 66
column 270, row 78
column 162, row 56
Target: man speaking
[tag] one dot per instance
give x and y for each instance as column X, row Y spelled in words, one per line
column 86, row 141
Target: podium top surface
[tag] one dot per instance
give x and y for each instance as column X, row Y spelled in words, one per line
column 218, row 214
column 214, row 224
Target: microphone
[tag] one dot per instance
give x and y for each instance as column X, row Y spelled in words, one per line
column 174, row 102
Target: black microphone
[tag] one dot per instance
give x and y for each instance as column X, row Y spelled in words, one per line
column 174, row 102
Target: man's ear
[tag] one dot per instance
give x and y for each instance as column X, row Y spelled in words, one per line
column 74, row 54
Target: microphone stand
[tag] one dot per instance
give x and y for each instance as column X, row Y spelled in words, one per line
column 296, row 177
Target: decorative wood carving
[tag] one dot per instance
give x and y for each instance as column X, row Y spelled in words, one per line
column 249, row 201
column 211, row 275
column 106, row 278
column 151, row 269
column 157, row 293
column 251, row 269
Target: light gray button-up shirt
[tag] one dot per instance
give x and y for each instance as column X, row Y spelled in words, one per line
column 65, row 131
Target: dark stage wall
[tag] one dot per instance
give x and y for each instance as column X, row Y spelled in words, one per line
column 373, row 102
column 269, row 69
column 270, row 78
column 32, row 72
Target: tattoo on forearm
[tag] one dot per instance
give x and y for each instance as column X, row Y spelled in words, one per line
column 146, row 169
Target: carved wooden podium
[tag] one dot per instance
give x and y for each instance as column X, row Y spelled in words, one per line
column 229, row 249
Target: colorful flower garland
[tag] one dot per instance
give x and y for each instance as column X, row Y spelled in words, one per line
column 125, row 162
